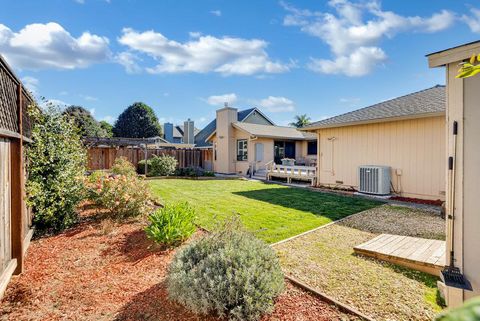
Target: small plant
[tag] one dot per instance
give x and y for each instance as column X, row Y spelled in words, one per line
column 162, row 165
column 229, row 272
column 469, row 311
column 171, row 224
column 122, row 166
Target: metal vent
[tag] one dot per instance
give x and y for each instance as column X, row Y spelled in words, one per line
column 374, row 179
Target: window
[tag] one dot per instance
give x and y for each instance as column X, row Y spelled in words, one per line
column 242, row 150
column 312, row 148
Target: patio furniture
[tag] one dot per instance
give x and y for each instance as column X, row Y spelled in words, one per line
column 304, row 173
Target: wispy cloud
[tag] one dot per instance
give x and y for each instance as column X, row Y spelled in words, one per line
column 472, row 20
column 219, row 100
column 353, row 31
column 31, row 83
column 217, row 13
column 89, row 98
column 276, row 104
column 109, row 119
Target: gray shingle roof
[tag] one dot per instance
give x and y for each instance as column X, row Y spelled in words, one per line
column 201, row 136
column 424, row 102
column 274, row 131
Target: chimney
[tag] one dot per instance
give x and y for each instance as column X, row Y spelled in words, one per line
column 168, row 132
column 226, row 144
column 188, row 132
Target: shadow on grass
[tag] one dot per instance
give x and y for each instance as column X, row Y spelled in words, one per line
column 318, row 203
column 153, row 304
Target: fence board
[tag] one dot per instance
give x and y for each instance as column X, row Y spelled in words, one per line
column 100, row 158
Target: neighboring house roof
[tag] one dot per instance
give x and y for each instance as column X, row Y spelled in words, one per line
column 207, row 131
column 178, row 131
column 274, row 131
column 424, row 103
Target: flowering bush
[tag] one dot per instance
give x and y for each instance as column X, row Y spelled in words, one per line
column 121, row 195
column 122, row 166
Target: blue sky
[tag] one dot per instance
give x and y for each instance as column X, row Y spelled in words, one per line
column 185, row 58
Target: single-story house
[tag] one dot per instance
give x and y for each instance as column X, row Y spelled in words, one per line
column 247, row 140
column 405, row 133
column 463, row 217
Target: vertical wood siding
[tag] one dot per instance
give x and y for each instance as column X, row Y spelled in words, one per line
column 414, row 147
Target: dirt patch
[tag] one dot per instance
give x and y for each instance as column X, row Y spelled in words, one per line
column 109, row 270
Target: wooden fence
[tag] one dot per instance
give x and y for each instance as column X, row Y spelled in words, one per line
column 104, row 157
column 15, row 132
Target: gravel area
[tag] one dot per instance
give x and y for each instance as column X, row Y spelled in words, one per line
column 399, row 220
column 324, row 259
column 102, row 270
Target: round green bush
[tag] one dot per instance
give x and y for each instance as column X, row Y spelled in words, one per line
column 141, row 166
column 163, row 165
column 229, row 272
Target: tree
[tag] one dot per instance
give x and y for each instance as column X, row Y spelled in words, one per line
column 56, row 167
column 301, row 121
column 107, row 127
column 137, row 121
column 85, row 122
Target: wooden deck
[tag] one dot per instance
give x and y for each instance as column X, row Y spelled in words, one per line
column 413, row 252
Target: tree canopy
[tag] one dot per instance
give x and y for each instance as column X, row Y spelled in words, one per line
column 85, row 122
column 107, row 127
column 137, row 121
column 300, row 121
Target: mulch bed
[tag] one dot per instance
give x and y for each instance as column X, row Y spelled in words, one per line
column 107, row 270
column 417, row 200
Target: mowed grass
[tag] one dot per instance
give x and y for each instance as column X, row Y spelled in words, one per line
column 272, row 212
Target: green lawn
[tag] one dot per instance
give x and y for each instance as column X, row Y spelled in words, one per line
column 273, row 212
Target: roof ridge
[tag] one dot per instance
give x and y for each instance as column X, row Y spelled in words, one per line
column 376, row 104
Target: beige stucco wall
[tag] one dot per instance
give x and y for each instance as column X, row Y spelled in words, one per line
column 414, row 149
column 225, row 141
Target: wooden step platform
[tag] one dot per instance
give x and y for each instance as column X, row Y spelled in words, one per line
column 413, row 252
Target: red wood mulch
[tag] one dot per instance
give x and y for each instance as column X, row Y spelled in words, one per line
column 102, row 270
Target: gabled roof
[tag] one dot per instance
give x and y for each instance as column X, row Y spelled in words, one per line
column 178, row 130
column 274, row 131
column 424, row 103
column 207, row 131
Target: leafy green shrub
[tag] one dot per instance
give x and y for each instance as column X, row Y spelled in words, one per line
column 56, row 166
column 121, row 195
column 193, row 172
column 141, row 166
column 162, row 165
column 469, row 311
column 229, row 272
column 171, row 224
column 122, row 166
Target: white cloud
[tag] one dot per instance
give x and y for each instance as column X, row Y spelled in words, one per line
column 129, row 61
column 359, row 63
column 219, row 100
column 80, row 1
column 217, row 13
column 195, row 34
column 354, row 30
column 92, row 111
column 473, row 20
column 40, row 46
column 227, row 55
column 31, row 83
column 277, row 104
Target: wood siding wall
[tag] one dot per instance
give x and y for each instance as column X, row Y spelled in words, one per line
column 103, row 158
column 413, row 148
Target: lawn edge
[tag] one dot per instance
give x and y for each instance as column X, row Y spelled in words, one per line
column 319, row 227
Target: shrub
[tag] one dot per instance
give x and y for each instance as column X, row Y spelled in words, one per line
column 141, row 166
column 193, row 172
column 122, row 166
column 162, row 165
column 172, row 224
column 121, row 195
column 56, row 166
column 229, row 272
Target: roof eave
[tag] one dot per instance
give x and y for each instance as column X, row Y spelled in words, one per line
column 373, row 121
column 459, row 53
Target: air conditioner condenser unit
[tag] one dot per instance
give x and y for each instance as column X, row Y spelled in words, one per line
column 374, row 179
